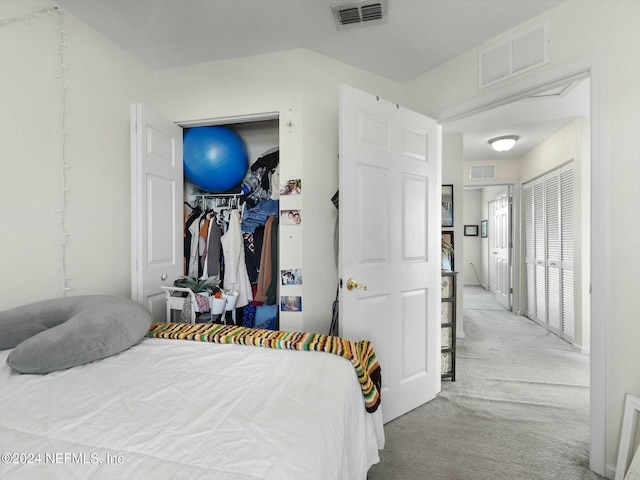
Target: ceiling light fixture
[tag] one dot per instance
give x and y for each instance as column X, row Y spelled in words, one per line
column 504, row 143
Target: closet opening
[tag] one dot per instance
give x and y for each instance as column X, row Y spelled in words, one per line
column 232, row 235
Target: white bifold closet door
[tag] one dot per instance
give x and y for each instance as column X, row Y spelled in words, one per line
column 567, row 252
column 533, row 218
column 549, row 249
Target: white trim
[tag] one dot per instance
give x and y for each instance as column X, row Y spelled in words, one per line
column 627, row 435
column 507, row 94
column 599, row 264
column 254, row 117
column 593, row 67
column 583, row 350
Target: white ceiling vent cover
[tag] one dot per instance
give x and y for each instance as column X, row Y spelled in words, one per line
column 517, row 55
column 359, row 13
column 482, row 172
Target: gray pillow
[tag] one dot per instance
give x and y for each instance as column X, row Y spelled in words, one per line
column 62, row 333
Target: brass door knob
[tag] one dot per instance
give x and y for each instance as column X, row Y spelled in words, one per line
column 352, row 285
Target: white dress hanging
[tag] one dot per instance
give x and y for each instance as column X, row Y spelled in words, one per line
column 236, row 277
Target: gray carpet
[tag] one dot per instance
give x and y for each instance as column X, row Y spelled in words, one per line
column 519, row 408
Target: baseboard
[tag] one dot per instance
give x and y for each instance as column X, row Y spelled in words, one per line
column 583, row 350
column 609, row 471
column 460, row 334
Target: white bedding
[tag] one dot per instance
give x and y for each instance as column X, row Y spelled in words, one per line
column 180, row 409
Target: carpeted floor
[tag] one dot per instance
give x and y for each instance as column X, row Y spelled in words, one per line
column 519, row 408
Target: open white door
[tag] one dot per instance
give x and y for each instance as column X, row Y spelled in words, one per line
column 500, row 248
column 156, row 208
column 390, row 216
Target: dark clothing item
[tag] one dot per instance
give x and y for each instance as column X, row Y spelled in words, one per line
column 270, row 161
column 275, row 275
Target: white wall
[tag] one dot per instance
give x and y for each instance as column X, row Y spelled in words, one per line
column 580, row 29
column 101, row 81
column 562, row 147
column 303, row 87
column 472, row 214
column 452, row 155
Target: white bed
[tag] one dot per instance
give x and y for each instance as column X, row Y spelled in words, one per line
column 182, row 409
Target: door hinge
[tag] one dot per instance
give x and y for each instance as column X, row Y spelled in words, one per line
column 511, row 290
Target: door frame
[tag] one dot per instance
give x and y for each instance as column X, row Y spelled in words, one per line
column 515, row 188
column 592, row 67
column 209, row 121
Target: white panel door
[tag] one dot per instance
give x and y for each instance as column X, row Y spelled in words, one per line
column 501, row 250
column 390, row 193
column 156, row 207
column 491, row 240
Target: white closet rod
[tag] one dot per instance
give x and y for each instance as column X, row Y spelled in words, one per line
column 230, row 200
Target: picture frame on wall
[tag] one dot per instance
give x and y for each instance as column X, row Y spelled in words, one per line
column 447, row 251
column 483, row 229
column 447, row 205
column 471, row 230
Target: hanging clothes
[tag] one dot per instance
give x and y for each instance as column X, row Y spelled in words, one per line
column 204, row 235
column 195, row 214
column 235, row 269
column 257, row 215
column 272, row 290
column 194, row 230
column 213, row 250
column 275, row 183
column 265, row 270
column 252, row 248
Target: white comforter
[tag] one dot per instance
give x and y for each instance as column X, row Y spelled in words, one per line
column 177, row 409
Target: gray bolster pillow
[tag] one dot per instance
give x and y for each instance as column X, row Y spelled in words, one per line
column 61, row 333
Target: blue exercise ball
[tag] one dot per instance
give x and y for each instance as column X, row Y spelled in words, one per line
column 215, row 158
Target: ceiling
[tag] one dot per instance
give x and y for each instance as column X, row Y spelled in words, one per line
column 416, row 36
column 533, row 119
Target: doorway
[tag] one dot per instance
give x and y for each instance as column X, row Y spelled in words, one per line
column 594, row 178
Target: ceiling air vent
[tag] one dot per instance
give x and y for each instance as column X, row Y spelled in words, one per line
column 359, row 13
column 517, row 55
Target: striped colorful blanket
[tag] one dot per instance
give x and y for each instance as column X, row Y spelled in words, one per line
column 360, row 354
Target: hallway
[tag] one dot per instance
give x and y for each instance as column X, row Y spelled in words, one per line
column 519, row 408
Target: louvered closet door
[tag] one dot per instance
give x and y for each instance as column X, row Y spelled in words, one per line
column 535, row 254
column 552, row 220
column 548, row 204
column 529, row 251
column 567, row 251
column 539, row 252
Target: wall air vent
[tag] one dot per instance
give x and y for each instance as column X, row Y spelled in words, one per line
column 482, row 172
column 359, row 13
column 517, row 55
